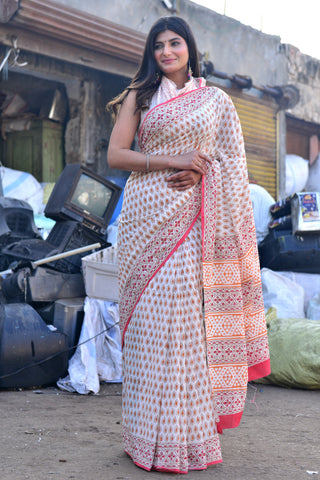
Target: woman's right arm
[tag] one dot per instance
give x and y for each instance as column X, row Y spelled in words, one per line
column 120, row 155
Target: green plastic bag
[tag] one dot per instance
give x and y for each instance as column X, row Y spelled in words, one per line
column 294, row 352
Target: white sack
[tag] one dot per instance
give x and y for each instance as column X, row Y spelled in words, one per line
column 261, row 202
column 112, row 232
column 23, row 186
column 313, row 181
column 297, row 172
column 310, row 282
column 314, row 308
column 283, row 294
column 99, row 359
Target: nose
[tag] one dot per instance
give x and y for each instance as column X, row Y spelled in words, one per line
column 166, row 49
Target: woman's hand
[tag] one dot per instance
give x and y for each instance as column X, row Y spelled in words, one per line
column 183, row 180
column 194, row 160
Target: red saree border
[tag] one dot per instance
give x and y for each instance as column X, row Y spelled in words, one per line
column 192, row 456
column 165, row 103
column 230, row 252
column 156, row 253
column 156, row 271
column 167, row 470
column 259, row 371
column 205, row 93
column 229, row 421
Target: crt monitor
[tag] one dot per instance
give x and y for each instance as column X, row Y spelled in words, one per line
column 84, row 196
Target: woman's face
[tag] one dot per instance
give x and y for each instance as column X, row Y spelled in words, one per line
column 171, row 53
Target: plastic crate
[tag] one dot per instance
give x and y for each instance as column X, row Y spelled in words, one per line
column 100, row 272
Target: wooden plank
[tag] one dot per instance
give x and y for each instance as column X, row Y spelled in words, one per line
column 80, row 28
column 39, row 44
column 7, row 9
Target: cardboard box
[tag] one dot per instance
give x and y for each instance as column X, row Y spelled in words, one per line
column 305, row 212
column 100, row 271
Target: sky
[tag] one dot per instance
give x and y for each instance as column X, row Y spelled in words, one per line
column 296, row 21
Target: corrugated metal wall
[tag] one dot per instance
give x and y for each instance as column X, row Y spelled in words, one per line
column 259, row 125
column 260, row 130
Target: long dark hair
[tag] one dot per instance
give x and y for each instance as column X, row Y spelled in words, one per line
column 148, row 76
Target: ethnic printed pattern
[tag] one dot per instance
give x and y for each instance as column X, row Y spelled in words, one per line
column 169, row 416
column 167, row 456
column 167, row 384
column 232, row 284
column 161, row 117
column 156, row 251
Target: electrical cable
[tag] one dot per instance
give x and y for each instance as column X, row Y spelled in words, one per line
column 40, row 362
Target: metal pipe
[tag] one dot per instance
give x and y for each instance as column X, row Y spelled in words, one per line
column 42, row 261
column 6, row 58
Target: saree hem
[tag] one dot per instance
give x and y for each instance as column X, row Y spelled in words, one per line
column 186, row 471
column 229, row 421
column 164, row 469
column 176, row 458
column 260, row 370
column 184, row 369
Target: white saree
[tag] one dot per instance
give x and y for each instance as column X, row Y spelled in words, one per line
column 184, row 379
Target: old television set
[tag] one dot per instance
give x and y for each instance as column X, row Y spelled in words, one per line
column 83, row 196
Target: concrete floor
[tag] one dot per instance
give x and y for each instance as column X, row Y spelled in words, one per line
column 51, row 434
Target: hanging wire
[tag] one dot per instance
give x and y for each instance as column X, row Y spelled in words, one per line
column 4, row 64
column 15, row 51
column 50, row 357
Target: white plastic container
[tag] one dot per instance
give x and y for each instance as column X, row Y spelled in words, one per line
column 100, row 272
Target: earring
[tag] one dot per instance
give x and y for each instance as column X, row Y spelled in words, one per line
column 157, row 78
column 189, row 70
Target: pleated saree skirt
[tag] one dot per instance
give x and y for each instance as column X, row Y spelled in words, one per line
column 169, row 419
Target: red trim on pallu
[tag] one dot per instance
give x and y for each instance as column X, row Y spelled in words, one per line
column 161, row 264
column 202, row 211
column 164, row 103
column 228, row 421
column 259, row 371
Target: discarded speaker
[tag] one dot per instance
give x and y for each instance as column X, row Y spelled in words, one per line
column 16, row 221
column 280, row 250
column 31, row 354
column 16, row 224
column 41, row 285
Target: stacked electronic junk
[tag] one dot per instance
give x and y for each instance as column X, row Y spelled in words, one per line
column 293, row 242
column 42, row 306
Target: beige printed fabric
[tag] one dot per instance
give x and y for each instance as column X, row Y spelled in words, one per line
column 169, row 420
column 181, row 380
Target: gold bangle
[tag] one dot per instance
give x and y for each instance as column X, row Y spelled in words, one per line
column 148, row 161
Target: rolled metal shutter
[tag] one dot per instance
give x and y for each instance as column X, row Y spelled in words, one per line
column 259, row 123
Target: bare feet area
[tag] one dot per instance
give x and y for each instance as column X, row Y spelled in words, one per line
column 47, row 433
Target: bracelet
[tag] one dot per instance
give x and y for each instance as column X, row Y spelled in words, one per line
column 148, row 161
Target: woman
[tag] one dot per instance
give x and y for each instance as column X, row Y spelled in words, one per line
column 186, row 239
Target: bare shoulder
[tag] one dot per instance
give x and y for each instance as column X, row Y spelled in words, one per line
column 130, row 102
column 128, row 114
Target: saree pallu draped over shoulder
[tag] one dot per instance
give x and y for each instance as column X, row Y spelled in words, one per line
column 185, row 379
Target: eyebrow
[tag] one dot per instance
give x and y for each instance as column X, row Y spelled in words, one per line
column 170, row 40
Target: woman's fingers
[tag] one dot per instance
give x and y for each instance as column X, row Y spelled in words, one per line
column 200, row 166
column 200, row 161
column 205, row 157
column 183, row 180
column 194, row 160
